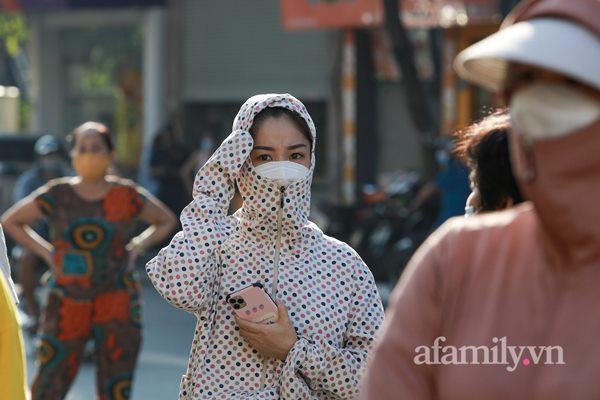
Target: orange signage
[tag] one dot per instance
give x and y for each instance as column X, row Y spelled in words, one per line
column 10, row 5
column 311, row 14
column 315, row 14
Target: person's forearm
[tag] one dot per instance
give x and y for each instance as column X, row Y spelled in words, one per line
column 187, row 172
column 188, row 181
column 154, row 234
column 28, row 238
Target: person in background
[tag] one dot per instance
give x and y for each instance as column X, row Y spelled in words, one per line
column 13, row 383
column 197, row 159
column 484, row 148
column 451, row 184
column 516, row 290
column 49, row 164
column 94, row 289
column 328, row 307
column 166, row 159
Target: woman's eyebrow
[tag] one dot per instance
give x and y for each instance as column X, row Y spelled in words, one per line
column 292, row 147
column 296, row 146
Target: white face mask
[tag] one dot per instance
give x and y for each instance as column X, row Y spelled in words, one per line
column 282, row 172
column 551, row 109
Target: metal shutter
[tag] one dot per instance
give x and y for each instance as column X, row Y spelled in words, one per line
column 233, row 49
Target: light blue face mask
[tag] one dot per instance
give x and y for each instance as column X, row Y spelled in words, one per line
column 442, row 157
column 470, row 211
column 284, row 173
column 207, row 144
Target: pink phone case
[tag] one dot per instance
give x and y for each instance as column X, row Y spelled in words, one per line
column 253, row 303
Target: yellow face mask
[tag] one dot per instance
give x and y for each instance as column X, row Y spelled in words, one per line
column 91, row 167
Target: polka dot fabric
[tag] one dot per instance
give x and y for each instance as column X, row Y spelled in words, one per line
column 330, row 294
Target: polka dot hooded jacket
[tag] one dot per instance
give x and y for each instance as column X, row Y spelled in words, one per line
column 329, row 292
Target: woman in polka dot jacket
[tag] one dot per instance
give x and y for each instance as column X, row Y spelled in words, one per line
column 328, row 304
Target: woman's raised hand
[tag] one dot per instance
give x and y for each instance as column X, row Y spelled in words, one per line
column 233, row 152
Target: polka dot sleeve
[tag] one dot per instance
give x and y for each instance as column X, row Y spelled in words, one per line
column 315, row 365
column 185, row 271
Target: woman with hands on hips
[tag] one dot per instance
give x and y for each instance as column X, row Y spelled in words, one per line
column 327, row 303
column 93, row 291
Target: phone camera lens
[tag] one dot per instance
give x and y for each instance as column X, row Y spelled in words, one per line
column 236, row 306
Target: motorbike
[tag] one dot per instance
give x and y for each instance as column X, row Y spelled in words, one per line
column 384, row 226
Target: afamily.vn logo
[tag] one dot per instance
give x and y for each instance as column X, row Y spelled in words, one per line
column 500, row 353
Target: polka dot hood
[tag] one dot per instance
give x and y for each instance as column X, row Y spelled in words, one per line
column 329, row 292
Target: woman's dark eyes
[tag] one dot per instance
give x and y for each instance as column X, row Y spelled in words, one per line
column 267, row 157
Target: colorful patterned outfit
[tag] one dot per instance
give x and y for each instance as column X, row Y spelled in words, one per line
column 92, row 293
column 329, row 292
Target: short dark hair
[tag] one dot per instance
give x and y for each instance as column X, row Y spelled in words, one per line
column 484, row 148
column 102, row 129
column 278, row 112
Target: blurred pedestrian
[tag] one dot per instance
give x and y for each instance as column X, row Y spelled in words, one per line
column 197, row 159
column 484, row 148
column 93, row 290
column 50, row 163
column 328, row 306
column 166, row 159
column 451, row 185
column 12, row 357
column 504, row 306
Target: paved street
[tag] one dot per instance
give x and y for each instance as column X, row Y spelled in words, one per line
column 167, row 339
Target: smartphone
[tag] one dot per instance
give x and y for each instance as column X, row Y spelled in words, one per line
column 253, row 303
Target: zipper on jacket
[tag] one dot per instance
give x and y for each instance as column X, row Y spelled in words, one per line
column 263, row 374
column 278, row 242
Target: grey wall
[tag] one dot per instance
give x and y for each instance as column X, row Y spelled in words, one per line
column 398, row 140
column 233, row 49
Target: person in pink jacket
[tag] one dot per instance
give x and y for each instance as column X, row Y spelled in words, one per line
column 328, row 305
column 505, row 305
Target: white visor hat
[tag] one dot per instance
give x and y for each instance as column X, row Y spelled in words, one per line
column 554, row 44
